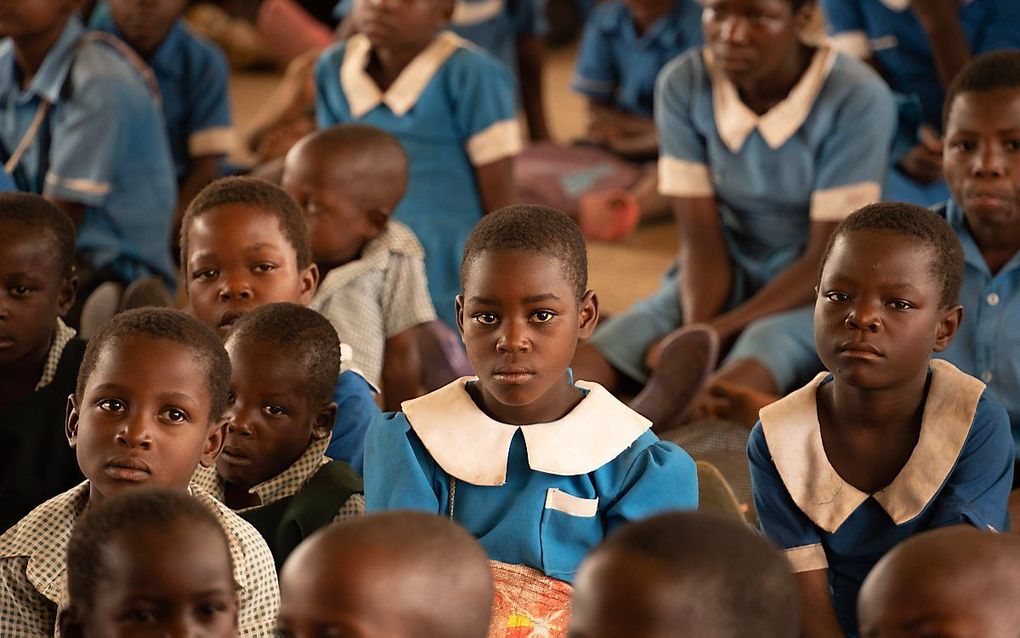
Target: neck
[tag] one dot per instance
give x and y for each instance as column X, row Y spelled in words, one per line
column 997, row 245
column 30, row 51
column 239, row 497
column 892, row 407
column 763, row 93
column 389, row 62
column 554, row 405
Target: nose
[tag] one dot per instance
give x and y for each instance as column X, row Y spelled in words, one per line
column 864, row 316
column 513, row 337
column 988, row 162
column 238, row 423
column 135, row 432
column 235, row 287
column 733, row 29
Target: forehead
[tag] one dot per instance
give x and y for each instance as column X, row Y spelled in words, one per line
column 234, row 227
column 509, row 274
column 865, row 253
column 749, row 5
column 998, row 109
column 268, row 364
column 28, row 248
column 150, row 364
column 185, row 556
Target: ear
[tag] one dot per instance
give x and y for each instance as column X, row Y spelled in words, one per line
column 948, row 327
column 804, row 16
column 309, row 282
column 324, row 419
column 458, row 304
column 446, row 10
column 71, row 421
column 69, row 621
column 377, row 220
column 214, row 442
column 68, row 293
column 588, row 316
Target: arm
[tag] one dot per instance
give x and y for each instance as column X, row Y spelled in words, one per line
column 399, row 472
column 639, row 493
column 530, row 54
column 496, row 184
column 940, row 20
column 705, row 269
column 401, row 369
column 818, row 616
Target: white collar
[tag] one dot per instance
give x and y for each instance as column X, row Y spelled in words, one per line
column 472, row 447
column 794, row 438
column 735, row 121
column 363, row 93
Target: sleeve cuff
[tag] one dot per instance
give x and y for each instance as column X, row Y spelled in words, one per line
column 499, row 141
column 806, row 558
column 852, row 43
column 84, row 191
column 835, row 204
column 590, row 87
column 680, row 178
column 211, row 141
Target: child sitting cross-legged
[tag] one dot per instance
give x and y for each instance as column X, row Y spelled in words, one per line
column 273, row 468
column 149, row 562
column 147, row 410
column 889, row 442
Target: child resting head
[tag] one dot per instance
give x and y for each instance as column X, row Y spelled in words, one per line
column 390, row 574
column 684, row 574
column 149, row 562
column 955, row 581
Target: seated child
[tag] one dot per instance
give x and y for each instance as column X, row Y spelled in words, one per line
column 79, row 125
column 39, row 355
column 151, row 561
column 537, row 467
column 244, row 244
column 273, row 468
column 889, row 443
column 146, row 411
column 193, row 82
column 452, row 108
column 348, row 179
column 684, row 574
column 392, row 574
column 956, row 581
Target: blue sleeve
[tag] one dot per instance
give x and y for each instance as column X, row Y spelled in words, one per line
column 327, row 87
column 595, row 73
column 482, row 93
column 674, row 90
column 399, row 473
column 843, row 15
column 977, row 489
column 1003, row 28
column 210, row 108
column 356, row 408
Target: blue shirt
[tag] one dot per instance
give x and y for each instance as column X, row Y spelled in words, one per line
column 452, row 108
column 960, row 471
column 617, row 67
column 356, row 408
column 540, row 495
column 107, row 150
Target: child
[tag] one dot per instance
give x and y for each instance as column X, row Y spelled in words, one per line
column 948, row 582
column 537, row 468
column 684, row 574
column 79, row 125
column 450, row 106
column 39, row 355
column 889, row 443
column 193, row 81
column 347, row 180
column 150, row 562
column 283, row 363
column 146, row 411
column 245, row 244
column 393, row 574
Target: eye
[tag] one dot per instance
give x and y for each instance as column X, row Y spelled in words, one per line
column 273, row 410
column 111, row 405
column 1012, row 145
column 837, row 297
column 486, row 318
column 231, row 398
column 208, row 610
column 20, row 292
column 205, row 275
column 264, row 267
column 139, row 615
column 543, row 316
column 174, row 415
column 901, row 305
column 962, row 145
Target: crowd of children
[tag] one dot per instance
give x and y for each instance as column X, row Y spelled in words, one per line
column 386, row 405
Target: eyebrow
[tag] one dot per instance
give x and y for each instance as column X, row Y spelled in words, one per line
column 254, row 248
column 163, row 396
column 546, row 296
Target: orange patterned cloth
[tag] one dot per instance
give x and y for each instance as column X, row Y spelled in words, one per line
column 527, row 603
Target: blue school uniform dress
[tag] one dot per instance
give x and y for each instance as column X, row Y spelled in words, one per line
column 101, row 144
column 617, row 67
column 889, row 31
column 453, row 109
column 356, row 409
column 540, row 495
column 959, row 472
column 193, row 79
column 808, row 159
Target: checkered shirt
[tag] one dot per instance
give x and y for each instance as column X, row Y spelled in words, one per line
column 33, row 567
column 376, row 297
column 286, row 483
column 61, row 336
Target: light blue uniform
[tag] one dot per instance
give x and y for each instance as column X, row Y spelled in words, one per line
column 103, row 146
column 453, row 110
column 960, row 472
column 808, row 159
column 540, row 495
column 356, row 409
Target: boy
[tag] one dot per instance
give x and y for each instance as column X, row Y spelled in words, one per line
column 393, row 574
column 348, row 179
column 890, row 443
column 956, row 581
column 684, row 574
column 244, row 244
column 146, row 411
column 273, row 469
column 79, row 125
column 39, row 354
column 149, row 562
column 451, row 107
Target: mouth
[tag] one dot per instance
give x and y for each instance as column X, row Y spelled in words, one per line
column 512, row 375
column 130, row 469
column 234, row 455
column 860, row 350
column 228, row 319
column 6, row 342
column 985, row 198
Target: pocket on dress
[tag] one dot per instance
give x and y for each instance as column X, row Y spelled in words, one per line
column 571, row 527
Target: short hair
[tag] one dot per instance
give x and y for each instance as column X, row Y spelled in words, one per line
column 531, row 228
column 33, row 212
column 921, row 225
column 168, row 325
column 984, row 73
column 144, row 508
column 303, row 334
column 256, row 193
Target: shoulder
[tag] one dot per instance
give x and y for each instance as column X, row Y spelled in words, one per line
column 400, row 240
column 851, row 79
column 207, row 55
column 608, row 17
column 102, row 74
column 246, row 544
column 47, row 528
column 331, row 58
column 686, row 71
column 468, row 61
column 990, row 419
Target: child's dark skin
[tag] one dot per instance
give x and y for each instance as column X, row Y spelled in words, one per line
column 175, row 582
column 33, row 293
column 271, row 419
column 520, row 320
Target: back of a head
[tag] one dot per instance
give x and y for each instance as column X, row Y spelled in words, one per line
column 35, row 214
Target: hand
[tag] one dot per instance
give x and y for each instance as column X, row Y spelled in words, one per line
column 724, row 400
column 924, row 162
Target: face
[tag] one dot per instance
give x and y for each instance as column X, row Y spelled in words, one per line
column 143, row 418
column 878, row 312
column 145, row 23
column 751, row 39
column 981, row 159
column 34, row 293
column 520, row 320
column 401, row 24
column 174, row 582
column 33, row 18
column 239, row 259
column 272, row 419
column 646, row 12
